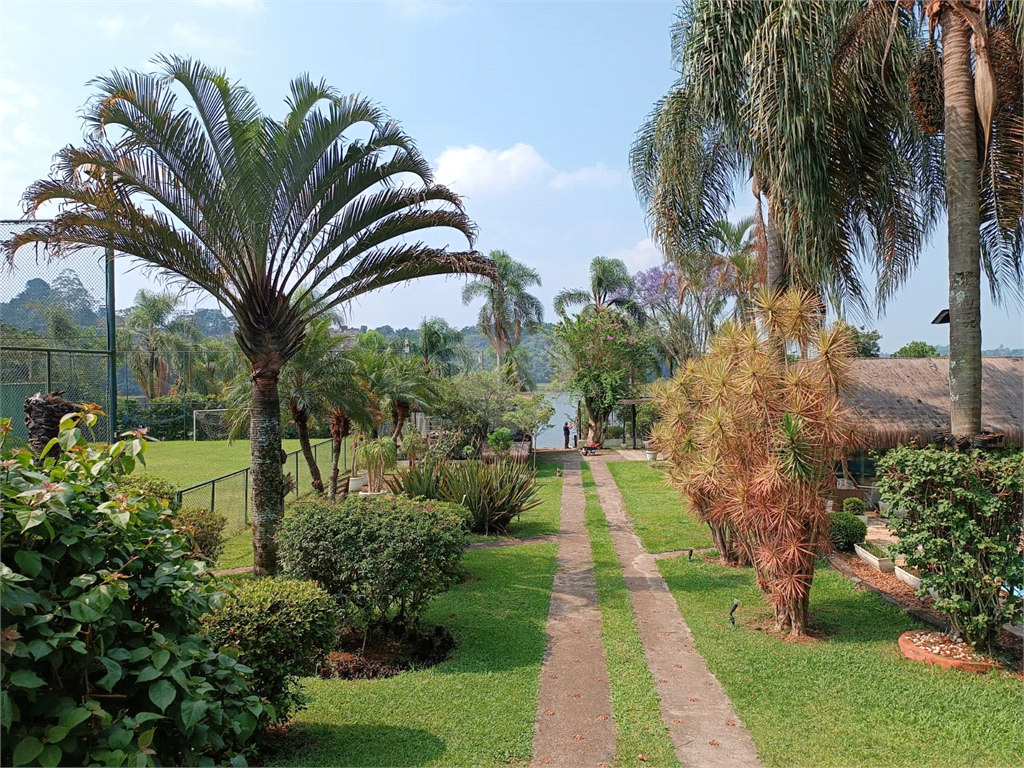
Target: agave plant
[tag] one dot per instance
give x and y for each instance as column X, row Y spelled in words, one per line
column 752, row 440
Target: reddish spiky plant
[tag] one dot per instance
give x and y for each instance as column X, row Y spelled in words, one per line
column 752, row 438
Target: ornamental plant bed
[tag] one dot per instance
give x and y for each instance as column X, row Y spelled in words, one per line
column 909, row 578
column 386, row 655
column 938, row 649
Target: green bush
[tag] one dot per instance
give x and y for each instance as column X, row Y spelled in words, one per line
column 206, row 529
column 493, row 493
column 846, row 530
column 104, row 658
column 854, row 506
column 500, row 440
column 614, row 432
column 145, row 486
column 282, row 629
column 962, row 532
column 381, row 557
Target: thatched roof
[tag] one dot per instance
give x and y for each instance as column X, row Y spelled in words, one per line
column 897, row 400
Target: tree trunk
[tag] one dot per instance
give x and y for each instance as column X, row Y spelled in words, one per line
column 399, row 413
column 963, row 221
column 301, row 419
column 340, row 428
column 778, row 274
column 267, row 477
column 42, row 419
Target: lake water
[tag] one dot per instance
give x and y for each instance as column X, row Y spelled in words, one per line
column 565, row 410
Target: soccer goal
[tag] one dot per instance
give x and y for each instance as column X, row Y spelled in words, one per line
column 210, row 424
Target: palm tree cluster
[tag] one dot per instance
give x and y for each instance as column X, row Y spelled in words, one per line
column 182, row 170
column 858, row 123
column 751, row 440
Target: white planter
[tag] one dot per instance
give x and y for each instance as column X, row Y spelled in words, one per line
column 883, row 564
column 612, row 442
column 356, row 483
column 652, row 455
column 907, row 578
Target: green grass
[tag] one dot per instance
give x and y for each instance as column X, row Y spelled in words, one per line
column 639, row 729
column 187, row 463
column 658, row 512
column 478, row 708
column 849, row 699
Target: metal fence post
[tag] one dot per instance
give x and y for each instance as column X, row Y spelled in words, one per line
column 296, row 474
column 213, row 495
column 111, row 347
column 49, row 377
column 245, row 507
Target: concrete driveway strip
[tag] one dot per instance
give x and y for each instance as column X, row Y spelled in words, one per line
column 574, row 713
column 699, row 715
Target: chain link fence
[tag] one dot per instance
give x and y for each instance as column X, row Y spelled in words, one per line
column 56, row 331
column 229, row 494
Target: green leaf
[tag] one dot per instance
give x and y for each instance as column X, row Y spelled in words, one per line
column 8, row 710
column 239, row 761
column 114, row 673
column 73, row 717
column 162, row 693
column 30, row 518
column 246, row 724
column 147, row 674
column 28, row 749
column 146, row 738
column 56, row 733
column 145, row 717
column 82, row 612
column 192, row 711
column 160, row 658
column 24, row 678
column 30, row 562
column 50, row 756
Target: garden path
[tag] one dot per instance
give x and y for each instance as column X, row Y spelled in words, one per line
column 700, row 718
column 574, row 713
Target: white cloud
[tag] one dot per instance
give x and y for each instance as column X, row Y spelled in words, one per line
column 233, row 5
column 15, row 98
column 644, row 255
column 475, row 169
column 598, row 176
column 190, row 36
column 420, row 10
column 112, row 26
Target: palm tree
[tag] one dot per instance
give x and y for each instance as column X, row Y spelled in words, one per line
column 260, row 213
column 153, row 335
column 857, row 127
column 441, row 347
column 736, row 264
column 610, row 286
column 508, row 309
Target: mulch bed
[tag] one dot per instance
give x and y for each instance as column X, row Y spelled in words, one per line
column 386, row 656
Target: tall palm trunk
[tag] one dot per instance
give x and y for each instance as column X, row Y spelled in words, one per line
column 266, row 473
column 963, row 219
column 341, row 426
column 301, row 418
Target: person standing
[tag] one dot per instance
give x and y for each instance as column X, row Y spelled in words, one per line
column 565, row 434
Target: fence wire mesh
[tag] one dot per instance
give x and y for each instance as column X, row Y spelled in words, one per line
column 229, row 495
column 53, row 330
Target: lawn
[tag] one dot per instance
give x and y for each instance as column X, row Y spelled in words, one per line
column 478, row 708
column 639, row 729
column 658, row 512
column 850, row 698
column 187, row 463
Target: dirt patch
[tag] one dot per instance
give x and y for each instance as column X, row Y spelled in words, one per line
column 386, row 655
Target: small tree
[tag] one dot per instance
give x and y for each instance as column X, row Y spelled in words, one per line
column 532, row 414
column 604, row 360
column 916, row 349
column 752, row 438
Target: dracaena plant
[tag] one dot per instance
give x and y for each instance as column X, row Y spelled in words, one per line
column 182, row 170
column 752, row 437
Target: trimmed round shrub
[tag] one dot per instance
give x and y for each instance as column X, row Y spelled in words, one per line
column 854, row 506
column 146, row 486
column 282, row 629
column 104, row 659
column 381, row 557
column 846, row 529
column 206, row 529
column 500, row 440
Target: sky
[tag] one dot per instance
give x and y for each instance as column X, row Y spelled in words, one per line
column 526, row 109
